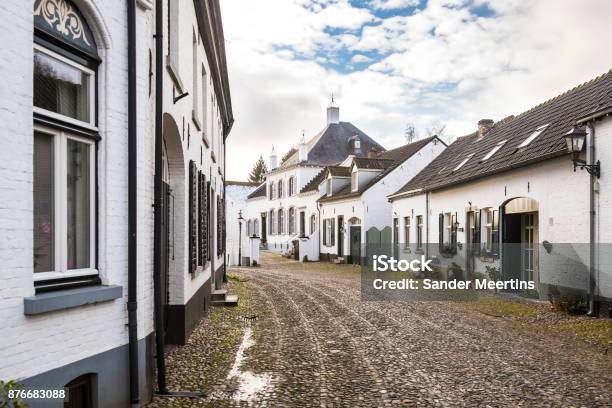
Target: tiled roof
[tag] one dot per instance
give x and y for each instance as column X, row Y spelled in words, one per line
column 331, row 145
column 386, row 161
column 559, row 114
column 258, row 192
column 339, row 171
column 313, row 184
column 241, row 183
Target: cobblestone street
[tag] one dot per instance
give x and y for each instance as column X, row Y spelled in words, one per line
column 301, row 336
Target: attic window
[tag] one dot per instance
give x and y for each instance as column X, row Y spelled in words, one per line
column 531, row 137
column 354, row 180
column 460, row 165
column 494, row 150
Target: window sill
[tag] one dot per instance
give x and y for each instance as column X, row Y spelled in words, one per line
column 212, row 156
column 70, row 298
column 205, row 140
column 196, row 121
column 173, row 71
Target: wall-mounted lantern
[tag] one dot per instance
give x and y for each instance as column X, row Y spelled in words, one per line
column 575, row 140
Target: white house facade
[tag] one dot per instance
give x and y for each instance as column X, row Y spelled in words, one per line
column 102, row 153
column 355, row 205
column 506, row 197
column 237, row 224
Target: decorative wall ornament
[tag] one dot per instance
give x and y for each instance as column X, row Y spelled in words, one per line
column 62, row 19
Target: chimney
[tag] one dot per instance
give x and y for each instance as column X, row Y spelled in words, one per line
column 333, row 112
column 273, row 159
column 302, row 149
column 372, row 153
column 484, row 125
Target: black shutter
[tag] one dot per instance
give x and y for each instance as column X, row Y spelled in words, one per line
column 454, row 233
column 202, row 219
column 477, row 239
column 333, row 231
column 193, row 208
column 218, row 225
column 208, row 223
column 441, row 233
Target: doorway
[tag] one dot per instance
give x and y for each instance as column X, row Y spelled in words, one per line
column 302, row 224
column 355, row 244
column 340, row 236
column 520, row 240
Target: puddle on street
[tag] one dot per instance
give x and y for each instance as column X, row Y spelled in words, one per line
column 249, row 384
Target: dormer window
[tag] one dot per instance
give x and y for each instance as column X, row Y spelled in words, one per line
column 494, row 150
column 532, row 137
column 280, row 188
column 329, row 186
column 357, row 144
column 460, row 165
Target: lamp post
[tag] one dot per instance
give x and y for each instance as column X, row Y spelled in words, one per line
column 240, row 219
column 575, row 140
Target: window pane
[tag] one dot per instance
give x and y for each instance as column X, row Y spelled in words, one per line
column 78, row 213
column 44, row 244
column 61, row 88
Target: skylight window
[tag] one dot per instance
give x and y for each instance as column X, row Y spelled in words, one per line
column 494, row 150
column 531, row 137
column 460, row 165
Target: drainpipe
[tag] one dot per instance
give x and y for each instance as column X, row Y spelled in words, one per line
column 225, row 216
column 158, row 295
column 132, row 304
column 592, row 282
column 426, row 225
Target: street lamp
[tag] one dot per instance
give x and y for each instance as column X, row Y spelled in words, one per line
column 575, row 140
column 240, row 219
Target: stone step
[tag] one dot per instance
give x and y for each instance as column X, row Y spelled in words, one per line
column 230, row 301
column 219, row 294
column 339, row 260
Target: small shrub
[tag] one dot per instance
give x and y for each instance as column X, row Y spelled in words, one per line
column 7, row 402
column 455, row 271
column 305, row 258
column 494, row 274
column 567, row 300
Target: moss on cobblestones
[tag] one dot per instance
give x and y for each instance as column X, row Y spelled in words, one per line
column 597, row 331
column 500, row 308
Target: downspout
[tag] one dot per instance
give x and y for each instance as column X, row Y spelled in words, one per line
column 158, row 296
column 132, row 304
column 426, row 225
column 225, row 217
column 593, row 179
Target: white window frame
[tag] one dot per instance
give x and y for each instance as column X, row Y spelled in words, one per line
column 407, row 225
column 419, row 232
column 91, row 89
column 494, row 150
column 60, row 190
column 539, row 130
column 460, row 165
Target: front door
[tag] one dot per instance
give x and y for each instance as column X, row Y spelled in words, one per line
column 340, row 236
column 529, row 246
column 355, row 247
column 302, row 224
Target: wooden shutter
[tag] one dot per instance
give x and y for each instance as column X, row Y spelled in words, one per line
column 193, row 216
column 203, row 220
column 454, row 234
column 218, row 225
column 333, row 231
column 209, row 214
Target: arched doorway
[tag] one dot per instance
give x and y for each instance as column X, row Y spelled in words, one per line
column 520, row 237
column 173, row 247
column 355, row 240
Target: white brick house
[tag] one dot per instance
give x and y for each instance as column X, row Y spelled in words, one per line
column 506, row 197
column 285, row 206
column 64, row 187
column 355, row 199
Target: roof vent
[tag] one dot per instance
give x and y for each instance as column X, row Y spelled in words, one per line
column 484, row 125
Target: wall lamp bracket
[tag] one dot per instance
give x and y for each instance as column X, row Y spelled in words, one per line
column 176, row 97
column 592, row 169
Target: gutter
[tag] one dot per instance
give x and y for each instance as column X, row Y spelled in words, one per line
column 132, row 304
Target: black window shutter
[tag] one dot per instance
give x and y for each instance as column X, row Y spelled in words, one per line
column 454, row 233
column 208, row 226
column 478, row 232
column 203, row 219
column 333, row 231
column 441, row 232
column 193, row 208
column 218, row 225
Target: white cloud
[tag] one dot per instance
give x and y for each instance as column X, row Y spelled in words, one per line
column 393, row 4
column 358, row 58
column 440, row 64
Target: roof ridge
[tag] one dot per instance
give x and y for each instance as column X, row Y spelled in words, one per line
column 409, row 144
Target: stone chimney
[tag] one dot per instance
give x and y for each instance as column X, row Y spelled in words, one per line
column 302, row 149
column 273, row 159
column 484, row 125
column 333, row 112
column 372, row 153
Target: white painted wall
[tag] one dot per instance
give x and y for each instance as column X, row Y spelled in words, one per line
column 236, row 201
column 603, row 202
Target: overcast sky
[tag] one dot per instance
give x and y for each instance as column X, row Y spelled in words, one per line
column 390, row 62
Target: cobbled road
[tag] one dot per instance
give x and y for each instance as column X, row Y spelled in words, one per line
column 320, row 345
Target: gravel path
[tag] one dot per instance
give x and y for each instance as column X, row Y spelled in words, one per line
column 315, row 343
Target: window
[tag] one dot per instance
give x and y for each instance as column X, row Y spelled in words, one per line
column 281, row 221
column 328, row 231
column 406, row 232
column 204, row 98
column 448, row 233
column 531, row 137
column 291, row 221
column 256, row 227
column 63, row 89
column 271, row 188
column 494, row 150
column 460, row 165
column 64, row 212
column 249, row 228
column 272, row 222
column 313, row 223
column 329, row 186
column 419, row 220
column 280, row 188
column 173, row 33
column 354, row 180
column 291, row 186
